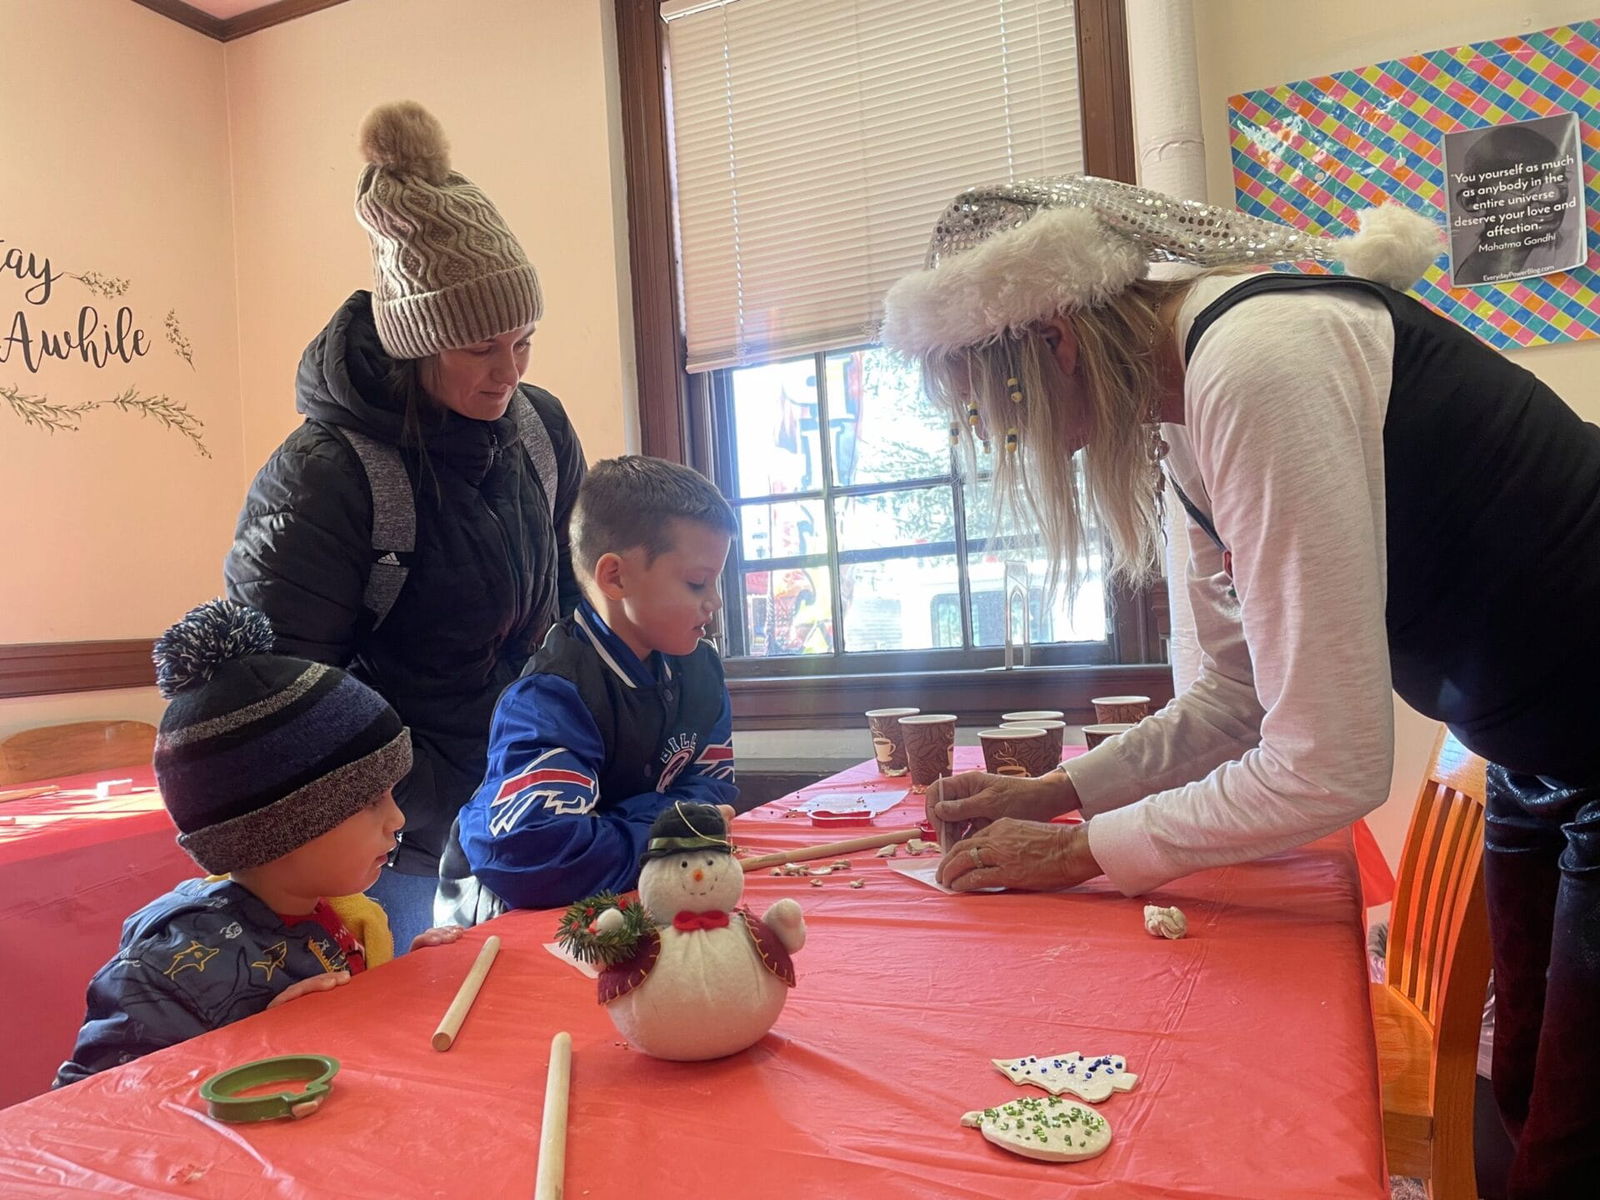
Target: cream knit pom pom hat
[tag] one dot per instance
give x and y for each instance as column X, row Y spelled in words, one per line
column 447, row 272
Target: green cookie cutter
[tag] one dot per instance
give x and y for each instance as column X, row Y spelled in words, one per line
column 311, row 1071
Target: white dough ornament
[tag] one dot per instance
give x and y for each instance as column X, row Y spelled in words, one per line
column 1047, row 1128
column 705, row 978
column 1165, row 922
column 1091, row 1079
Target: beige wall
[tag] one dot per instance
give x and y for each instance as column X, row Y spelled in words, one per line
column 525, row 90
column 218, row 178
column 116, row 161
column 1245, row 44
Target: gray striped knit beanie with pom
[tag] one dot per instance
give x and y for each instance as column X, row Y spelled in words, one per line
column 446, row 270
column 259, row 753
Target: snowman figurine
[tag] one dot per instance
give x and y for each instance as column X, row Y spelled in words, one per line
column 707, row 978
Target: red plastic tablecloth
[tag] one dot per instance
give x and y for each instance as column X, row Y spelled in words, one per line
column 72, row 868
column 1251, row 1037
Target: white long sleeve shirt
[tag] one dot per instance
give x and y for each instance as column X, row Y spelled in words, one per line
column 1287, row 733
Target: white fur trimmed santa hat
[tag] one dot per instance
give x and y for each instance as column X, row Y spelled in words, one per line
column 1005, row 256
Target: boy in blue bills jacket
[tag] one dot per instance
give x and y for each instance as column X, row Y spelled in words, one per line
column 622, row 712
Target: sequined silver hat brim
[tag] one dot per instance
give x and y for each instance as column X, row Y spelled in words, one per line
column 1006, row 256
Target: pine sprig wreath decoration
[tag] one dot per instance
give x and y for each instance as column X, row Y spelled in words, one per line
column 578, row 934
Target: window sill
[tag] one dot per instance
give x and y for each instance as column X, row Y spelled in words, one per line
column 976, row 696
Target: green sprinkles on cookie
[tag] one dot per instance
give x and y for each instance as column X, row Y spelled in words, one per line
column 1045, row 1128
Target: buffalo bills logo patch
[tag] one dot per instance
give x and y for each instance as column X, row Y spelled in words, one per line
column 679, row 753
column 717, row 761
column 558, row 789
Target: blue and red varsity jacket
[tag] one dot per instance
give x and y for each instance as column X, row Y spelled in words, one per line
column 585, row 749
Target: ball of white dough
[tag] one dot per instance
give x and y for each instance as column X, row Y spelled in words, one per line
column 1165, row 922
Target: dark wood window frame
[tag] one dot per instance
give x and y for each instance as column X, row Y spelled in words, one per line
column 675, row 416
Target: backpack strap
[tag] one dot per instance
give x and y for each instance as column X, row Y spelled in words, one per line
column 394, row 506
column 535, row 439
column 394, row 521
column 1195, row 515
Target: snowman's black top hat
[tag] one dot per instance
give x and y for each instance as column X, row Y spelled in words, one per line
column 687, row 827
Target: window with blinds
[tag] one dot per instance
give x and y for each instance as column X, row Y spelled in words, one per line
column 814, row 142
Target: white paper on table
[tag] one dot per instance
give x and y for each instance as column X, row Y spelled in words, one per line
column 872, row 802
column 926, row 872
column 588, row 969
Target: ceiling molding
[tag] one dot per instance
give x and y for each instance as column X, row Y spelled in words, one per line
column 226, row 30
column 272, row 14
column 187, row 14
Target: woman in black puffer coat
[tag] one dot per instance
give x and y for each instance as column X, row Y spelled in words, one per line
column 414, row 411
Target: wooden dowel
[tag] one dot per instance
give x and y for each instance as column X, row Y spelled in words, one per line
column 445, row 1036
column 553, row 1132
column 27, row 793
column 833, row 849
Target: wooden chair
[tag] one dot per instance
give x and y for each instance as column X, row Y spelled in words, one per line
column 1428, row 1013
column 75, row 749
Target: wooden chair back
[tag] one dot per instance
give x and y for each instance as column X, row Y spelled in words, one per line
column 75, row 749
column 1429, row 1009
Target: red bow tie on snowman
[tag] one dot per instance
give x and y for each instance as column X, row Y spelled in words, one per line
column 688, row 922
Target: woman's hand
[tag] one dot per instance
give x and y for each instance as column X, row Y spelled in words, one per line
column 439, row 935
column 963, row 804
column 1029, row 855
column 317, row 983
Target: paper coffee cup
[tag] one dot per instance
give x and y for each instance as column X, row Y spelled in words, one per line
column 1093, row 735
column 1055, row 732
column 1019, row 750
column 1032, row 717
column 930, row 741
column 1120, row 710
column 888, row 742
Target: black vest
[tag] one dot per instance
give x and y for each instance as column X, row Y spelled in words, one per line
column 643, row 728
column 652, row 733
column 1492, row 510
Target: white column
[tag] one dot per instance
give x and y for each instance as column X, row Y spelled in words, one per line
column 1171, row 159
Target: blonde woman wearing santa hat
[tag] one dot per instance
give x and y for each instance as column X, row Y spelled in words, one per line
column 1375, row 498
column 414, row 528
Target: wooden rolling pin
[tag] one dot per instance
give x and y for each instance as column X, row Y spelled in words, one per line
column 551, row 1182
column 445, row 1036
column 27, row 793
column 871, row 841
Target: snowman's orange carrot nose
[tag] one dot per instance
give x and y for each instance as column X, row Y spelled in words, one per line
column 698, row 874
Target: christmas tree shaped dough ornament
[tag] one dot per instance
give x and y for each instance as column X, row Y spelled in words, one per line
column 1091, row 1079
column 1047, row 1128
column 687, row 974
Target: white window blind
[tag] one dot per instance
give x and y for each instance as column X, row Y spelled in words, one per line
column 816, row 141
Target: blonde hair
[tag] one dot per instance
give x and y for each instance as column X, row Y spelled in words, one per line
column 1038, row 486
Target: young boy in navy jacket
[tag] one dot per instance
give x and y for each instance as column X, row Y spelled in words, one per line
column 622, row 712
column 278, row 773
